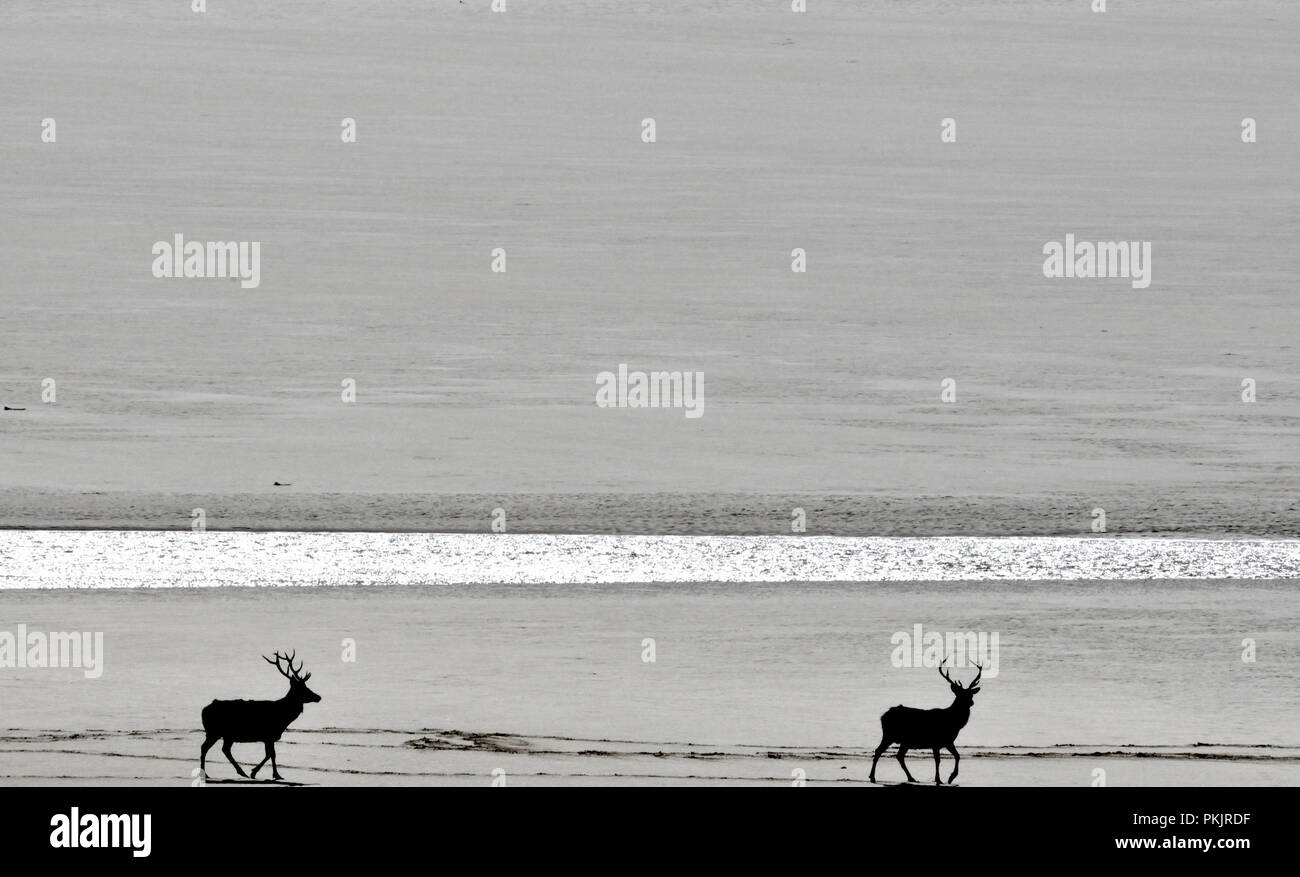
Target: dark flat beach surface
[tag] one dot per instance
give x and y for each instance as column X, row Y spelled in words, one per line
column 1266, row 512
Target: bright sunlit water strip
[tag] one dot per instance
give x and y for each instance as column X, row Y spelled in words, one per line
column 156, row 559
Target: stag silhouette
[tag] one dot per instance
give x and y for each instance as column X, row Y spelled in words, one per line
column 256, row 721
column 936, row 729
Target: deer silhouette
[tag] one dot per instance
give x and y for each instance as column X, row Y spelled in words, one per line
column 936, row 729
column 256, row 721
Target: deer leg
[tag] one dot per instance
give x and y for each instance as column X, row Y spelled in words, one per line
column 203, row 753
column 956, row 759
column 902, row 751
column 275, row 774
column 937, row 781
column 269, row 753
column 884, row 744
column 225, row 750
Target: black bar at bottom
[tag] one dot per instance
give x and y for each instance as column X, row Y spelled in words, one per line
column 638, row 827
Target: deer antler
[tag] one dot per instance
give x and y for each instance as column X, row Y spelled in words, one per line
column 275, row 663
column 288, row 671
column 297, row 674
column 971, row 684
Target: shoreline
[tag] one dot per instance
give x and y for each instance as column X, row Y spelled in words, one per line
column 362, row 757
column 1193, row 512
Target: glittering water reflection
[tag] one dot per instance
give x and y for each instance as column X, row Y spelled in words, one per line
column 153, row 559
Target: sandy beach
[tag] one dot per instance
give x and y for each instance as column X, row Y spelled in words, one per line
column 416, row 757
column 1142, row 679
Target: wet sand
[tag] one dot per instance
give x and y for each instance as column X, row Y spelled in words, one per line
column 750, row 681
column 457, row 758
column 1266, row 511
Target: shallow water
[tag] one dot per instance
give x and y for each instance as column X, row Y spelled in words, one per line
column 776, row 131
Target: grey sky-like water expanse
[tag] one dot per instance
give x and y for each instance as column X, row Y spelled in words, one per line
column 774, row 131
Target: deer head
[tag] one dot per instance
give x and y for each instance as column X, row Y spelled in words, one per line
column 966, row 695
column 298, row 689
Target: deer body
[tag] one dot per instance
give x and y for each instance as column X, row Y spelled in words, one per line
column 935, row 729
column 251, row 721
column 924, row 729
column 256, row 721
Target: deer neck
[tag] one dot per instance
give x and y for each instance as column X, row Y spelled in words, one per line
column 291, row 706
column 960, row 711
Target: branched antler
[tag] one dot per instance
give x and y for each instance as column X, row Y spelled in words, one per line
column 288, row 671
column 973, row 682
column 945, row 675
